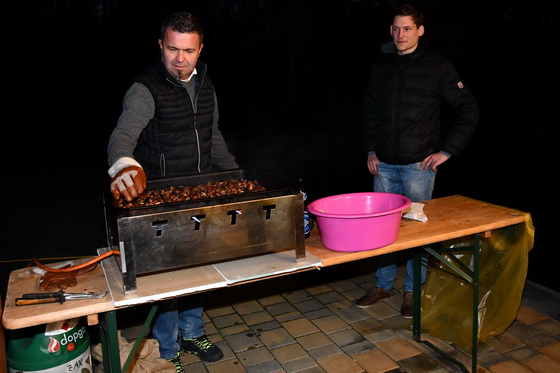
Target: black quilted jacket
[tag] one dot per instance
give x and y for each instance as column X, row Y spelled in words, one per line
column 402, row 106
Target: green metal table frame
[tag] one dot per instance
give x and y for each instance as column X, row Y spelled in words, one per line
column 458, row 269
column 108, row 332
column 108, row 329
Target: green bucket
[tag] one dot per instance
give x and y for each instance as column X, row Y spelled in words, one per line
column 59, row 347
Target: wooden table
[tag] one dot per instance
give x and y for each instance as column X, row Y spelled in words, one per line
column 448, row 218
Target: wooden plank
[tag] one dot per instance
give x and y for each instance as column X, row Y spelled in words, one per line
column 264, row 266
column 26, row 281
column 164, row 285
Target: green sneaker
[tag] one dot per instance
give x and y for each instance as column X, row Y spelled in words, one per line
column 202, row 347
column 178, row 365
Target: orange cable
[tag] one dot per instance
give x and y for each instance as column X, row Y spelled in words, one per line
column 76, row 267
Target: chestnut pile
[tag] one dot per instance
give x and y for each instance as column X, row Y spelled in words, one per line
column 190, row 193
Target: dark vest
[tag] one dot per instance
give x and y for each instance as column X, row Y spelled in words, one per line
column 177, row 141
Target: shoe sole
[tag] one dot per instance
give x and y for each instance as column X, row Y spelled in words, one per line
column 366, row 306
column 198, row 354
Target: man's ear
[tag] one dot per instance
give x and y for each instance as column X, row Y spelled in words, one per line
column 421, row 30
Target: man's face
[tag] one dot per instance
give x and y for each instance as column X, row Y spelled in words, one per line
column 180, row 52
column 406, row 34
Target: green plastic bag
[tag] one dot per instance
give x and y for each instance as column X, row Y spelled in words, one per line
column 447, row 301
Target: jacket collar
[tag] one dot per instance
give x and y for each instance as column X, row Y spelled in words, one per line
column 390, row 49
column 200, row 68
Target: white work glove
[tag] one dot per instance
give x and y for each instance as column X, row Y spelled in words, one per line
column 128, row 178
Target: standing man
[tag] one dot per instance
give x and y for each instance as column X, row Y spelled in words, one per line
column 405, row 146
column 169, row 127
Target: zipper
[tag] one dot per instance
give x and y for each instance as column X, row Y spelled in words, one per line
column 195, row 124
column 195, row 115
column 162, row 164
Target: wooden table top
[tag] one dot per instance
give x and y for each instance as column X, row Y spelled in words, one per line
column 448, row 217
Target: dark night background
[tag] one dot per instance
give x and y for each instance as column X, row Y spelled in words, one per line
column 290, row 76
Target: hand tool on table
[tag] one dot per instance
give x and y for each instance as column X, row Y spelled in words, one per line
column 60, row 296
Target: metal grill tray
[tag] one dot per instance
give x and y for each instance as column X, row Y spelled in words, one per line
column 278, row 189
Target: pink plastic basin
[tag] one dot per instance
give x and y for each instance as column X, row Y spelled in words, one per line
column 359, row 221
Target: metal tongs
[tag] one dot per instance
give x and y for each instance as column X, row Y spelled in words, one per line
column 60, row 296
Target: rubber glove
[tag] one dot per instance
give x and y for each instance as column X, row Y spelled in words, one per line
column 128, row 179
column 62, row 280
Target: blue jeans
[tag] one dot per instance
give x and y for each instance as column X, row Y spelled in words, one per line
column 184, row 314
column 415, row 183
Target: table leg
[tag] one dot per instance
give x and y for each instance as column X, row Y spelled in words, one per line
column 470, row 276
column 110, row 342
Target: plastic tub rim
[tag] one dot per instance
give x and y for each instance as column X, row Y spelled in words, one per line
column 359, row 216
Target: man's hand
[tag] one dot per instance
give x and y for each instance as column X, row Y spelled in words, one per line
column 372, row 163
column 433, row 161
column 127, row 178
column 129, row 183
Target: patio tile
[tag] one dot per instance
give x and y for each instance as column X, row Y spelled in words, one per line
column 509, row 367
column 309, row 305
column 346, row 337
column 528, row 315
column 280, row 308
column 540, row 340
column 319, row 289
column 542, row 364
column 227, row 320
column 247, row 307
column 219, row 311
column 297, row 296
column 419, row 363
column 276, row 338
column 397, row 349
column 236, row 329
column 358, row 348
column 243, row 341
column 289, row 353
column 342, row 285
column 226, row 366
column 352, row 314
column 271, row 299
column 368, row 326
column 524, row 353
column 340, row 363
column 504, row 342
column 326, row 351
column 375, row 361
column 268, row 367
column 381, row 311
column 289, row 316
column 265, row 326
column 331, row 296
column 330, row 324
column 300, row 327
column 258, row 317
column 552, row 351
column 255, row 356
column 548, row 326
column 307, row 365
column 315, row 340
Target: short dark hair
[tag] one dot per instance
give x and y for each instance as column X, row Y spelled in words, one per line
column 183, row 22
column 409, row 10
